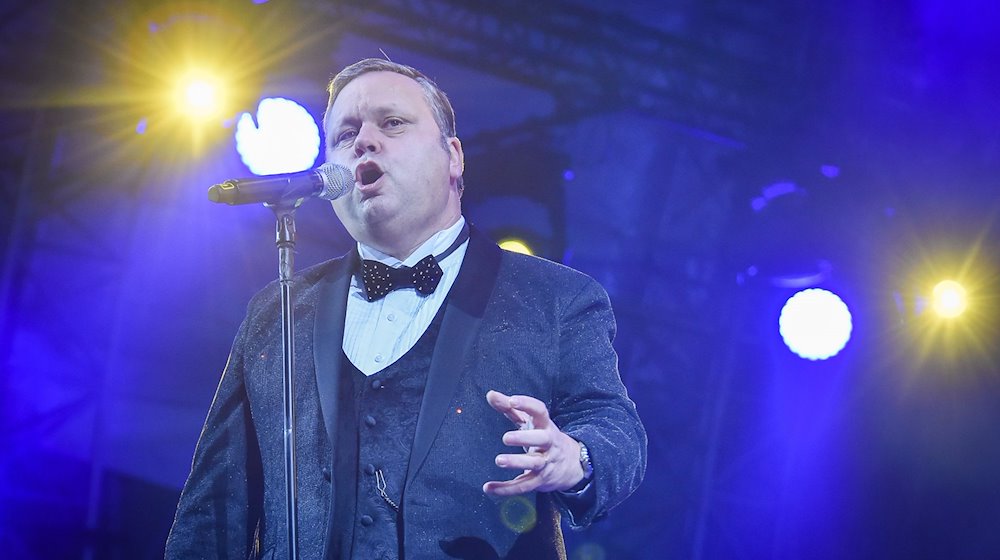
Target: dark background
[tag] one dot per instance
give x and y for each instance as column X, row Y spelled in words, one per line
column 627, row 139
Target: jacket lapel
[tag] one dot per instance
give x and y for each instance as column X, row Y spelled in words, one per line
column 328, row 337
column 459, row 326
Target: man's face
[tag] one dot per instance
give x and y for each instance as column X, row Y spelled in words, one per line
column 382, row 128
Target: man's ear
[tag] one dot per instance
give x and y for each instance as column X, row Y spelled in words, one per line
column 456, row 158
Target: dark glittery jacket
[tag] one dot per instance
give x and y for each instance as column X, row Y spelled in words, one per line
column 513, row 323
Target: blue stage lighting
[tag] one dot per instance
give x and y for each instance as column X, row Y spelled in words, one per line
column 815, row 324
column 283, row 139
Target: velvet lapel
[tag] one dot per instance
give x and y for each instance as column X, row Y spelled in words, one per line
column 460, row 324
column 328, row 337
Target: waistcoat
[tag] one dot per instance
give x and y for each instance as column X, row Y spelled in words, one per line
column 377, row 419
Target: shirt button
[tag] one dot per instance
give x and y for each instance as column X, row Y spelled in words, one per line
column 390, row 317
column 369, row 469
column 378, row 358
column 370, row 420
column 326, row 474
column 376, row 384
column 367, row 520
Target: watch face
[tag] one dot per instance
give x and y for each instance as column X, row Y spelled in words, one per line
column 588, row 468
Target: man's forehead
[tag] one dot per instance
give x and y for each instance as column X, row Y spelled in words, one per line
column 378, row 91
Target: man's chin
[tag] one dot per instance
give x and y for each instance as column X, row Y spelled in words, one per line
column 376, row 211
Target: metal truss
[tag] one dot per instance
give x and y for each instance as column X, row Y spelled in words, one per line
column 590, row 61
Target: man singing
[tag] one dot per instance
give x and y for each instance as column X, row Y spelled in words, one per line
column 453, row 400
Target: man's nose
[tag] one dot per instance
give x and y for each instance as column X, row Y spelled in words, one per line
column 366, row 140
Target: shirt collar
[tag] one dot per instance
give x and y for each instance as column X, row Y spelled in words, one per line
column 435, row 245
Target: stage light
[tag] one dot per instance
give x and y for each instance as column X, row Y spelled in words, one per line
column 516, row 245
column 188, row 69
column 198, row 97
column 949, row 299
column 284, row 138
column 815, row 324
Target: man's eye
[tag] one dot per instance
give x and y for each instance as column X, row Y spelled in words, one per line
column 393, row 122
column 346, row 135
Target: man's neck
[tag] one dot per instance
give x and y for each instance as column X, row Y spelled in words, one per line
column 405, row 247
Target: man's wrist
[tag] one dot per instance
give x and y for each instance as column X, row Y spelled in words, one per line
column 588, row 469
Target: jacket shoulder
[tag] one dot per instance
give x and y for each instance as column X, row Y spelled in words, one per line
column 306, row 286
column 541, row 271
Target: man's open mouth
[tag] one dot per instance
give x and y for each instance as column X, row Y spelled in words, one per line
column 368, row 173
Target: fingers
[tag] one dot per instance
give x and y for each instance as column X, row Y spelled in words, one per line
column 521, row 461
column 541, row 439
column 545, row 464
column 522, row 484
column 533, row 407
column 501, row 403
column 520, row 409
column 498, row 400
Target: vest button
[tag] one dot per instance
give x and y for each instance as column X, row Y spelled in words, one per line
column 367, row 520
column 369, row 469
column 326, row 473
column 370, row 421
column 376, row 384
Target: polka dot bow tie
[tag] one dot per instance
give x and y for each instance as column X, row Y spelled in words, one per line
column 380, row 279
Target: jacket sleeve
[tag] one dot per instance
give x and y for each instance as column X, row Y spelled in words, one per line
column 591, row 405
column 221, row 501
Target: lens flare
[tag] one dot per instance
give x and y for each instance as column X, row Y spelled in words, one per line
column 949, row 299
column 518, row 514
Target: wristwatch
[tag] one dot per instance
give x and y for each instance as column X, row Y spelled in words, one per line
column 585, row 464
column 588, row 472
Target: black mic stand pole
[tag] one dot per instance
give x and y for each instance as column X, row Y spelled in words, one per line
column 284, row 211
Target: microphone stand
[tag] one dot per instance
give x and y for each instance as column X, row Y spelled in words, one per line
column 284, row 212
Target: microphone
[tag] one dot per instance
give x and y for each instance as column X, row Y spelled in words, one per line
column 328, row 181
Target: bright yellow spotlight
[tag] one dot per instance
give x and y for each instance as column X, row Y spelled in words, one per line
column 198, row 97
column 516, row 245
column 949, row 299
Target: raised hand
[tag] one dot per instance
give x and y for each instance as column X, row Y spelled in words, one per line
column 551, row 460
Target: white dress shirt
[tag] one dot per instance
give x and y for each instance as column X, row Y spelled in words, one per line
column 377, row 333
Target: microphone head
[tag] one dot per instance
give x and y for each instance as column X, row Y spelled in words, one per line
column 224, row 192
column 337, row 181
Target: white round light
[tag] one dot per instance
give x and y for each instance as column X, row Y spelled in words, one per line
column 815, row 324
column 284, row 138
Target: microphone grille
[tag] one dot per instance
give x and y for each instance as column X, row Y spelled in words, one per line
column 337, row 181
